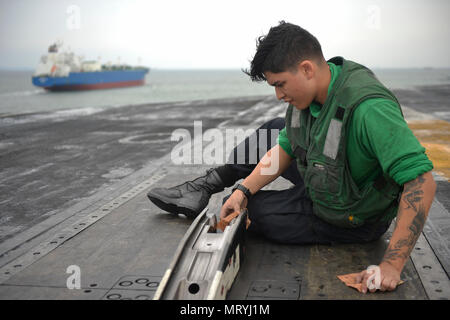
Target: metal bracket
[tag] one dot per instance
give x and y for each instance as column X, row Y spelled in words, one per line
column 206, row 261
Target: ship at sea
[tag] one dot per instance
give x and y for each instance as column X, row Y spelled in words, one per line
column 62, row 71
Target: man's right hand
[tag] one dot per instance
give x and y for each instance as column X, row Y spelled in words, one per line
column 275, row 162
column 236, row 202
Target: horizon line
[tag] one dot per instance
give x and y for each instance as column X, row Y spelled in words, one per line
column 7, row 68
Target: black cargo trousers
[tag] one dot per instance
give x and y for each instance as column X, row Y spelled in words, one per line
column 286, row 216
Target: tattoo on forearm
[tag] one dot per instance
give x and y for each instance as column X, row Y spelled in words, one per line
column 414, row 184
column 413, row 193
column 412, row 197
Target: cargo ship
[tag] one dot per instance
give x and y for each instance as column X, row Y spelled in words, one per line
column 64, row 71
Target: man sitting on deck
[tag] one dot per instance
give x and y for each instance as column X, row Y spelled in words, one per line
column 357, row 164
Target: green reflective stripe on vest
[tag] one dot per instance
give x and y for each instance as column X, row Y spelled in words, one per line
column 320, row 147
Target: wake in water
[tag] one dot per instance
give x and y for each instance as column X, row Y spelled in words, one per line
column 60, row 115
column 23, row 93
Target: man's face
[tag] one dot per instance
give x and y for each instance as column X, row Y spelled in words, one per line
column 296, row 86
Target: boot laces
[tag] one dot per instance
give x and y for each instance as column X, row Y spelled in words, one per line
column 192, row 185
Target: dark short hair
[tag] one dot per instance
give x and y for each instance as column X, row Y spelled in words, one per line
column 282, row 49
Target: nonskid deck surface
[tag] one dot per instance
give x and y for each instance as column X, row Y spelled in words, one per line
column 125, row 254
column 118, row 246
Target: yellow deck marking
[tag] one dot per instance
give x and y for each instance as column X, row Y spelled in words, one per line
column 434, row 135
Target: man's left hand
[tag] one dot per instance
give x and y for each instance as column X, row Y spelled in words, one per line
column 390, row 278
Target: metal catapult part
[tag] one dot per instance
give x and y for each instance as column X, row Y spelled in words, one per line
column 207, row 260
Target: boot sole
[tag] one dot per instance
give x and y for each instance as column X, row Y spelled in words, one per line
column 172, row 208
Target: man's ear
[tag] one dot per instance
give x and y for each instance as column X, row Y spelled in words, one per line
column 307, row 68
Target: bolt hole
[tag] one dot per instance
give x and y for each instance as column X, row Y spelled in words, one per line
column 427, row 267
column 141, row 281
column 193, row 288
column 36, row 253
column 125, row 283
column 152, row 284
column 93, row 285
column 259, row 289
column 438, row 290
column 87, row 291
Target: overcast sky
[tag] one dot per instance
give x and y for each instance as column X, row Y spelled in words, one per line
column 190, row 34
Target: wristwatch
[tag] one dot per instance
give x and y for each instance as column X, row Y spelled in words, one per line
column 244, row 189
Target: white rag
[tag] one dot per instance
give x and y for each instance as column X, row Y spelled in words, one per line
column 374, row 281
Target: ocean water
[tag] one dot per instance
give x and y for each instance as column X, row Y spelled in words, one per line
column 19, row 96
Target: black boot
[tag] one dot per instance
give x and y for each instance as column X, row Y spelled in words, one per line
column 189, row 198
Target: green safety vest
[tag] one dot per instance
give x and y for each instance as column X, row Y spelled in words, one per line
column 320, row 148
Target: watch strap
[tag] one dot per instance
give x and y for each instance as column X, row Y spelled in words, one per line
column 244, row 189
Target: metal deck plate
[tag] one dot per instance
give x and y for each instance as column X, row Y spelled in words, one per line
column 133, row 288
column 434, row 279
column 136, row 238
column 270, row 289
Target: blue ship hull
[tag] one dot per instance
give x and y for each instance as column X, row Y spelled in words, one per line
column 92, row 80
